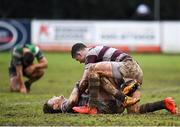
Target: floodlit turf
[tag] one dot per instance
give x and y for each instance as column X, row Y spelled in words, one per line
column 161, row 79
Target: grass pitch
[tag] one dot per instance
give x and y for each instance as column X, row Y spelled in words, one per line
column 161, row 79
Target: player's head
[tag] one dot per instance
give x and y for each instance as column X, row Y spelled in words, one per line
column 28, row 58
column 53, row 105
column 78, row 52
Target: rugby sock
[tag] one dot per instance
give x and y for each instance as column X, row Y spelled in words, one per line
column 151, row 107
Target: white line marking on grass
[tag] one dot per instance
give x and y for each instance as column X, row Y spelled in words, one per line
column 25, row 103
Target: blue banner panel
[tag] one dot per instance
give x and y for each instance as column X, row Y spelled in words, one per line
column 14, row 32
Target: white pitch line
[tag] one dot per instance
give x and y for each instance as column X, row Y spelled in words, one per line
column 25, row 103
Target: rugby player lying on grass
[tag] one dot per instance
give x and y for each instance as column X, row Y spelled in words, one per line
column 99, row 101
column 112, row 63
column 106, row 103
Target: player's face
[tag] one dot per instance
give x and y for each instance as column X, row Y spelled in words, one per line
column 80, row 56
column 56, row 102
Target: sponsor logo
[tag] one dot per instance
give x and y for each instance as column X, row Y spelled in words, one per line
column 11, row 32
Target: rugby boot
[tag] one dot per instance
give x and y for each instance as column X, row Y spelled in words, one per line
column 85, row 110
column 170, row 105
column 129, row 101
column 131, row 87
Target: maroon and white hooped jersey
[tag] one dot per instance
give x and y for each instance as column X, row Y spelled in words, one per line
column 103, row 53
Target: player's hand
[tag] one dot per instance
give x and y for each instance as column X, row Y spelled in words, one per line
column 23, row 89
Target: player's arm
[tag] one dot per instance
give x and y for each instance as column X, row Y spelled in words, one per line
column 83, row 85
column 74, row 97
column 67, row 105
column 20, row 78
column 42, row 63
column 89, row 60
column 72, row 101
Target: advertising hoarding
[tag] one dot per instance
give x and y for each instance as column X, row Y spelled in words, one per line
column 14, row 32
column 125, row 35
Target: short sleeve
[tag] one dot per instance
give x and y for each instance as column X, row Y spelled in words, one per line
column 38, row 54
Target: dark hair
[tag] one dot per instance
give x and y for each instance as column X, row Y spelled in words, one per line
column 49, row 109
column 28, row 58
column 77, row 47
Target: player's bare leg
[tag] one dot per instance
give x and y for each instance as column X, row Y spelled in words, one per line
column 118, row 94
column 102, row 68
column 36, row 75
column 100, row 99
column 105, row 69
column 134, row 108
column 94, row 84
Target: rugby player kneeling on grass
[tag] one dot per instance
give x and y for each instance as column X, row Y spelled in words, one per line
column 22, row 64
column 111, row 63
column 104, row 61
